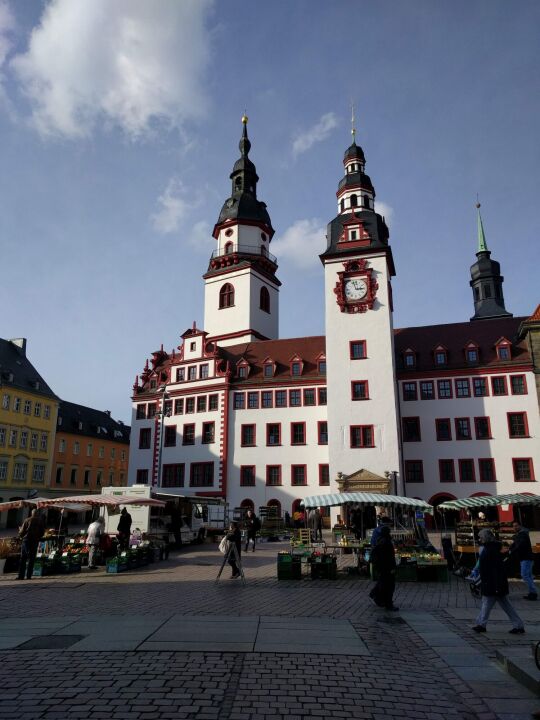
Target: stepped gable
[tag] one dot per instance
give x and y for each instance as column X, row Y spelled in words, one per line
column 454, row 337
column 281, row 352
column 80, row 420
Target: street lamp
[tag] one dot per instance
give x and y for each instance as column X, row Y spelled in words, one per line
column 160, row 416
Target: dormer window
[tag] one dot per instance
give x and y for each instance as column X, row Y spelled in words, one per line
column 409, row 358
column 504, row 349
column 353, row 235
column 269, row 368
column 472, row 354
column 242, row 370
column 296, row 366
column 322, row 367
column 153, row 384
column 365, row 200
column 440, row 357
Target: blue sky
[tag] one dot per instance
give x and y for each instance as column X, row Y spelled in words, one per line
column 120, row 122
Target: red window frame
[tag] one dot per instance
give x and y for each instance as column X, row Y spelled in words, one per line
column 476, row 424
column 145, row 433
column 324, row 474
column 320, row 393
column 190, row 405
column 408, row 465
column 423, row 395
column 226, row 296
column 267, row 399
column 206, row 426
column 243, row 471
column 320, row 423
column 186, row 430
column 403, row 424
column 169, row 431
column 309, row 404
column 268, row 470
column 281, row 394
column 529, row 461
column 484, row 462
column 504, row 346
column 525, row 425
column 180, row 483
column 438, row 422
column 213, row 402
column 445, row 397
column 444, row 353
column 291, row 395
column 470, row 464
column 179, row 406
column 362, row 429
column 468, row 385
column 201, row 403
column 414, row 395
column 505, row 384
column 241, row 398
column 524, row 379
column 296, row 365
column 485, row 386
column 252, row 400
column 409, row 359
column 456, row 422
column 242, row 430
column 199, row 465
column 452, row 474
column 268, row 426
column 362, row 344
column 303, row 426
column 296, row 484
column 362, row 383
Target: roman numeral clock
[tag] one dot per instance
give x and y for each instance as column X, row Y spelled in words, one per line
column 356, row 287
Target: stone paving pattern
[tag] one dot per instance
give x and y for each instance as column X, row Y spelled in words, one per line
column 423, row 662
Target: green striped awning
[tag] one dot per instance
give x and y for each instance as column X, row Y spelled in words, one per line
column 490, row 500
column 363, row 498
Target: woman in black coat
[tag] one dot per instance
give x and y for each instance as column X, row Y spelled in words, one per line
column 384, row 564
column 234, row 536
column 494, row 584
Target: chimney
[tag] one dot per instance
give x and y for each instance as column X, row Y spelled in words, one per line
column 20, row 343
column 107, row 412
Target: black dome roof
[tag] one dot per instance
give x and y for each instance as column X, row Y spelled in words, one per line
column 354, row 152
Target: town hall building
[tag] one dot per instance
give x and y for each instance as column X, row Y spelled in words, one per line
column 436, row 412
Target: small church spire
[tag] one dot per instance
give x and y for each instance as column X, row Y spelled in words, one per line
column 482, row 245
column 244, row 144
column 353, row 129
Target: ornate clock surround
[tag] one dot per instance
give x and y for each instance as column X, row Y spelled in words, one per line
column 352, row 269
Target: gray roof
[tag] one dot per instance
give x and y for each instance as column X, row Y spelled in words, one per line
column 80, row 420
column 17, row 372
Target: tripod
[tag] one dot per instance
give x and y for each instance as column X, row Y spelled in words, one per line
column 234, row 552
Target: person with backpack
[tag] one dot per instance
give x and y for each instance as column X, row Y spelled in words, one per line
column 253, row 525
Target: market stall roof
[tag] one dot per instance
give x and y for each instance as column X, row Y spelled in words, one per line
column 490, row 500
column 363, row 498
column 103, row 500
column 35, row 502
column 195, row 498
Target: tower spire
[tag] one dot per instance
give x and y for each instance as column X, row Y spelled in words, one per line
column 353, row 129
column 482, row 245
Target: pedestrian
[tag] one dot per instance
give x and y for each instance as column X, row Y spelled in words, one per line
column 30, row 533
column 234, row 536
column 376, row 534
column 384, row 566
column 95, row 531
column 521, row 550
column 124, row 529
column 318, row 524
column 253, row 525
column 494, row 584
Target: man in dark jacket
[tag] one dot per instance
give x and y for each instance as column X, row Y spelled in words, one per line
column 124, row 529
column 234, row 536
column 384, row 565
column 253, row 525
column 521, row 550
column 30, row 532
column 494, row 584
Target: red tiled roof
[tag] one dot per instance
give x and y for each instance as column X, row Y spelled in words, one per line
column 535, row 316
column 455, row 336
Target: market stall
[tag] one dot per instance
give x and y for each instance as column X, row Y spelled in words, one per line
column 416, row 558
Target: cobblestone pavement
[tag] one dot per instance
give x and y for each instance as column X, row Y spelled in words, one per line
column 423, row 662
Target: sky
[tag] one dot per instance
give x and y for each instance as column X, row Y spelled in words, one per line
column 119, row 127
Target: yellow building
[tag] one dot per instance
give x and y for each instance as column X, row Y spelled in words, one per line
column 28, row 413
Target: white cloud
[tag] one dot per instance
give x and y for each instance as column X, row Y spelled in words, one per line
column 385, row 210
column 7, row 26
column 173, row 205
column 127, row 63
column 319, row 132
column 301, row 243
column 201, row 238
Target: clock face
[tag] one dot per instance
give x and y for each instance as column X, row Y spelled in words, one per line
column 355, row 289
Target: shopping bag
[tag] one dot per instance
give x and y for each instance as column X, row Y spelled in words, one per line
column 224, row 546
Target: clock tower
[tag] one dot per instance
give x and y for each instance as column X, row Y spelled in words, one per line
column 362, row 401
column 241, row 288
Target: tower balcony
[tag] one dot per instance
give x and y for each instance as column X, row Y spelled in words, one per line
column 232, row 254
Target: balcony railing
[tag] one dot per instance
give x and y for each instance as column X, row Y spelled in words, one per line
column 245, row 250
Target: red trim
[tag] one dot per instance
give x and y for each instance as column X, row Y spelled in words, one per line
column 505, row 383
column 270, row 394
column 250, row 484
column 295, row 390
column 205, row 425
column 321, row 466
column 485, row 384
column 444, row 373
column 361, row 428
column 252, row 395
column 365, row 384
column 403, row 420
column 409, row 462
column 438, row 498
column 431, row 395
column 239, row 333
column 462, row 380
column 185, row 427
column 286, row 399
column 524, row 378
column 525, row 423
column 476, row 421
column 357, row 342
column 248, row 425
column 468, row 423
column 356, row 269
column 460, row 466
column 308, row 404
column 278, row 484
column 531, row 469
column 304, row 433
column 268, row 444
column 410, row 399
column 293, row 484
column 491, row 461
column 224, row 444
column 319, row 423
column 218, row 227
column 438, row 421
column 444, row 397
column 453, row 474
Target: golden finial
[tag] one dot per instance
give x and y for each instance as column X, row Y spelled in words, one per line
column 244, row 118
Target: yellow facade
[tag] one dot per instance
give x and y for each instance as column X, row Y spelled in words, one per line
column 27, row 436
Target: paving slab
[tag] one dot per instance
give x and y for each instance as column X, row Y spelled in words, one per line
column 178, row 646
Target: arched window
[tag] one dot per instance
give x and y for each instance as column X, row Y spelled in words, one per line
column 342, row 205
column 228, row 248
column 226, row 296
column 366, row 201
column 247, row 504
column 265, row 300
column 275, row 504
column 354, row 200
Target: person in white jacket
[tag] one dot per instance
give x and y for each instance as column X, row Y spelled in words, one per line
column 95, row 531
